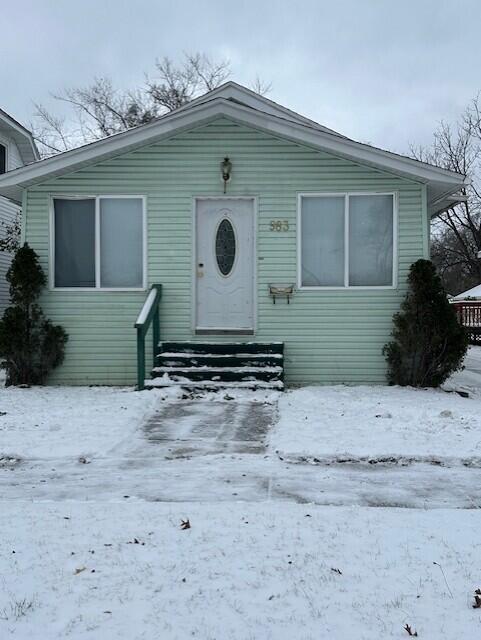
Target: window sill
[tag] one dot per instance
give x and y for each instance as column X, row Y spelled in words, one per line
column 97, row 289
column 353, row 288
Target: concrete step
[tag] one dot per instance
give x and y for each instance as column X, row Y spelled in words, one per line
column 180, row 359
column 222, row 348
column 216, row 365
column 225, row 374
column 212, row 385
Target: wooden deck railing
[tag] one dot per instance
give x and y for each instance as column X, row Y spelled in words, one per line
column 469, row 315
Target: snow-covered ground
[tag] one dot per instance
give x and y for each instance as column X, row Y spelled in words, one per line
column 371, row 422
column 469, row 378
column 70, row 421
column 94, row 483
column 241, row 572
column 367, row 423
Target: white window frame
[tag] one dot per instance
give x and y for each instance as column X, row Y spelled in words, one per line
column 346, row 195
column 4, row 144
column 97, row 198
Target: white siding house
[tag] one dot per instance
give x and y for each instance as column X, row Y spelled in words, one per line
column 17, row 149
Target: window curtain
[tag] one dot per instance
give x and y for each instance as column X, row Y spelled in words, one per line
column 121, row 242
column 322, row 241
column 370, row 240
column 74, row 242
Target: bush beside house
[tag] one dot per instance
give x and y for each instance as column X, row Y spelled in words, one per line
column 428, row 342
column 31, row 346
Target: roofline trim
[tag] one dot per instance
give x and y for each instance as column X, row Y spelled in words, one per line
column 174, row 122
column 26, row 133
column 259, row 98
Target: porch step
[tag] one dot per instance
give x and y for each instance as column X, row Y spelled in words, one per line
column 179, row 359
column 221, row 374
column 222, row 348
column 209, row 365
column 212, row 385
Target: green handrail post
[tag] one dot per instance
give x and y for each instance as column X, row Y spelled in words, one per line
column 140, row 360
column 148, row 314
column 155, row 333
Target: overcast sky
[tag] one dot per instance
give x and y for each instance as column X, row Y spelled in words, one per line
column 379, row 71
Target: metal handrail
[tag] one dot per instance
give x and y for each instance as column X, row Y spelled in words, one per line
column 148, row 314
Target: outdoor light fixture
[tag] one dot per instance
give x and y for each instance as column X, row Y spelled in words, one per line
column 226, row 168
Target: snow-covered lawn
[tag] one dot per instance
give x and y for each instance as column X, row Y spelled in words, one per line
column 372, row 422
column 365, row 422
column 241, row 572
column 92, row 500
column 468, row 378
column 54, row 422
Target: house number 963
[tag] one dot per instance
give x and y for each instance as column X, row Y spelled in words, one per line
column 279, row 225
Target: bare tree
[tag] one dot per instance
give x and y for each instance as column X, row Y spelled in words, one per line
column 456, row 232
column 51, row 132
column 260, row 86
column 449, row 256
column 99, row 109
column 178, row 85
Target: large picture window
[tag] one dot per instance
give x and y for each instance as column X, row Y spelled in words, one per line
column 347, row 240
column 98, row 242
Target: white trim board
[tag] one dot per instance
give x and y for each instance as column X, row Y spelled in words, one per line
column 5, row 144
column 236, row 92
column 21, row 136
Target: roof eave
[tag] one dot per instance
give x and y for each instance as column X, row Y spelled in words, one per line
column 447, row 201
column 197, row 115
column 22, row 136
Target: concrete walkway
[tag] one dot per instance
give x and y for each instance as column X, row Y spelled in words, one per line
column 194, row 428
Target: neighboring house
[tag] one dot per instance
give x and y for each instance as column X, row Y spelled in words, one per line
column 304, row 207
column 17, row 148
column 470, row 294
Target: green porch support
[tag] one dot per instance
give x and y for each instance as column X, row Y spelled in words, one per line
column 148, row 315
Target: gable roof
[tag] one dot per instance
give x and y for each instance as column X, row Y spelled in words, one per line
column 247, row 108
column 237, row 93
column 20, row 135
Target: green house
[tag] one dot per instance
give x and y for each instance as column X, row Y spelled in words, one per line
column 277, row 249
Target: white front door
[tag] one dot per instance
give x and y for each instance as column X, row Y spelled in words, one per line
column 224, row 268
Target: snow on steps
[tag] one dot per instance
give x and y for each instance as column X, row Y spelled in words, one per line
column 179, row 381
column 180, row 359
column 217, row 365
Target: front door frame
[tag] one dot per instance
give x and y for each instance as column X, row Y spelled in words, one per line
column 196, row 199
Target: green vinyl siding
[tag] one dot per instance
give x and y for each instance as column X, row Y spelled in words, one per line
column 330, row 336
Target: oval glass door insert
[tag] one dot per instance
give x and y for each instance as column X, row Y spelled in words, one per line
column 225, row 247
